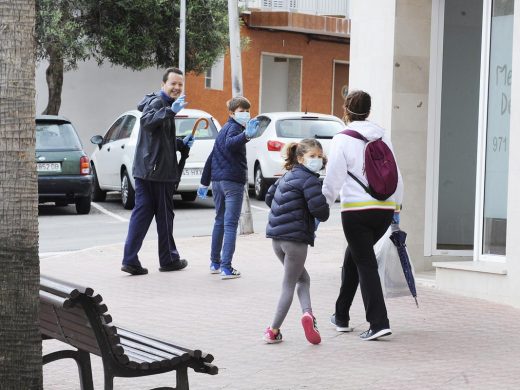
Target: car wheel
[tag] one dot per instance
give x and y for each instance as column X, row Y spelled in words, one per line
column 83, row 205
column 188, row 196
column 98, row 195
column 260, row 184
column 127, row 192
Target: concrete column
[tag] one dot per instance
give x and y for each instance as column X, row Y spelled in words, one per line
column 372, row 55
column 410, row 116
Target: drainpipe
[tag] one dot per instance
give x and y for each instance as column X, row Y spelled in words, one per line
column 182, row 37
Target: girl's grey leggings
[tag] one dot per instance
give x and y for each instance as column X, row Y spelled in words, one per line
column 292, row 254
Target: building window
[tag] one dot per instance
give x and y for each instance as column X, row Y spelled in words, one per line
column 214, row 78
column 497, row 129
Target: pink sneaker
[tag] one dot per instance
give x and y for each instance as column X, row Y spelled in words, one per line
column 311, row 331
column 271, row 338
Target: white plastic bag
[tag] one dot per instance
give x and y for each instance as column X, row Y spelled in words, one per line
column 389, row 267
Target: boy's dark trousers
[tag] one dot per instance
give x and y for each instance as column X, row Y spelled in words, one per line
column 152, row 198
column 362, row 230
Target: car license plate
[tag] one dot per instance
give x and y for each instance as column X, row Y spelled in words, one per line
column 192, row 171
column 48, row 167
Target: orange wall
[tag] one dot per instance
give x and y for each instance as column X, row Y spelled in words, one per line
column 317, row 72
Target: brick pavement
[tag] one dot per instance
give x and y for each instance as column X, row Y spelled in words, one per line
column 450, row 342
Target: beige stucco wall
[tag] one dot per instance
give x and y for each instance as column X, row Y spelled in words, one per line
column 390, row 54
column 93, row 96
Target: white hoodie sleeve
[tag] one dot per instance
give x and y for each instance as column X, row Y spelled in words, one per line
column 337, row 170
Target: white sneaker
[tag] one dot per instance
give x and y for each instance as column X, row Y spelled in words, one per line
column 339, row 326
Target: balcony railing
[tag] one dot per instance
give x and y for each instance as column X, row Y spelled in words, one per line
column 314, row 7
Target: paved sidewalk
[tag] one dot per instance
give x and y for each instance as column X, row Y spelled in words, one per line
column 450, row 342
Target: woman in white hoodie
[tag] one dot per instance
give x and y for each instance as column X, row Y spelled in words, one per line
column 364, row 218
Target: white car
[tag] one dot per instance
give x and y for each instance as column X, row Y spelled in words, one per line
column 112, row 162
column 264, row 153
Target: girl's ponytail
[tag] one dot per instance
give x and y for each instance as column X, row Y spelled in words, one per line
column 294, row 150
column 291, row 159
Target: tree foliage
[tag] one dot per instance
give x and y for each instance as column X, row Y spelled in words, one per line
column 145, row 33
column 61, row 31
column 129, row 33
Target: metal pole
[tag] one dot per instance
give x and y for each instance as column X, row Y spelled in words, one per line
column 246, row 218
column 182, row 37
column 234, row 49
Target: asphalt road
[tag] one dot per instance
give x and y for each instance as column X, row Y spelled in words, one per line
column 62, row 230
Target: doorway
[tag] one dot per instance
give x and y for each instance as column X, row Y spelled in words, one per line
column 456, row 126
column 339, row 87
column 280, row 83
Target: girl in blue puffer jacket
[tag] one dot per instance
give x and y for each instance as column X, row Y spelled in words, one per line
column 297, row 205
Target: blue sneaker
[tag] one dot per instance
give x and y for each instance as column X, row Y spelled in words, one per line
column 214, row 268
column 229, row 273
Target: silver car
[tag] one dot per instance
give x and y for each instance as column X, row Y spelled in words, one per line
column 112, row 162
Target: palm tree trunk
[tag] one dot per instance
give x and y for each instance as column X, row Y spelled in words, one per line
column 20, row 342
column 54, row 76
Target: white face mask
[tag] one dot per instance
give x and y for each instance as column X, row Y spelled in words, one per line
column 313, row 164
column 242, row 117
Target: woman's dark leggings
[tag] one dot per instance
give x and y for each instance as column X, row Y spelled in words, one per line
column 362, row 230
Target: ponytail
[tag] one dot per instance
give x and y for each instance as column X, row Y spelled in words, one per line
column 294, row 150
column 291, row 158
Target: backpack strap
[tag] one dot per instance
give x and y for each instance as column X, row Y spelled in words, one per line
column 367, row 190
column 355, row 134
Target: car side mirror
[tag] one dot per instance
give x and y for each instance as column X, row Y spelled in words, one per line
column 97, row 140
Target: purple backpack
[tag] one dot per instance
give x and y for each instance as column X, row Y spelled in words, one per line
column 379, row 167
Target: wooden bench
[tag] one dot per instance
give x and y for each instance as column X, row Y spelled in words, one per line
column 77, row 316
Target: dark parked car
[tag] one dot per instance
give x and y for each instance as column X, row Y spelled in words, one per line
column 63, row 167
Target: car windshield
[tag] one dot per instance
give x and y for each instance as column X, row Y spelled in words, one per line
column 308, row 128
column 184, row 127
column 56, row 136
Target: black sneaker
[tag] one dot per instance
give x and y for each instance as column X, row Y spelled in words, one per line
column 374, row 335
column 134, row 269
column 175, row 266
column 340, row 325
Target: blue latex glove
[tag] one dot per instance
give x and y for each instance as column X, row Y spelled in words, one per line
column 189, row 140
column 252, row 128
column 316, row 223
column 396, row 219
column 202, row 192
column 179, row 104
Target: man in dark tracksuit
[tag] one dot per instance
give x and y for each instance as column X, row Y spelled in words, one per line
column 156, row 175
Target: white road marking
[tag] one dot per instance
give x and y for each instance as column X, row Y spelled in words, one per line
column 67, row 252
column 260, row 208
column 50, row 254
column 109, row 213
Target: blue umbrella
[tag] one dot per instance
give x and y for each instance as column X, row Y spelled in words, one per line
column 398, row 237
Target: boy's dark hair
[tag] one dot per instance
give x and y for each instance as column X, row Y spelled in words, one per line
column 238, row 102
column 294, row 150
column 357, row 106
column 171, row 70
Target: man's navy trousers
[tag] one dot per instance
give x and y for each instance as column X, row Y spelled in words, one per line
column 152, row 198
